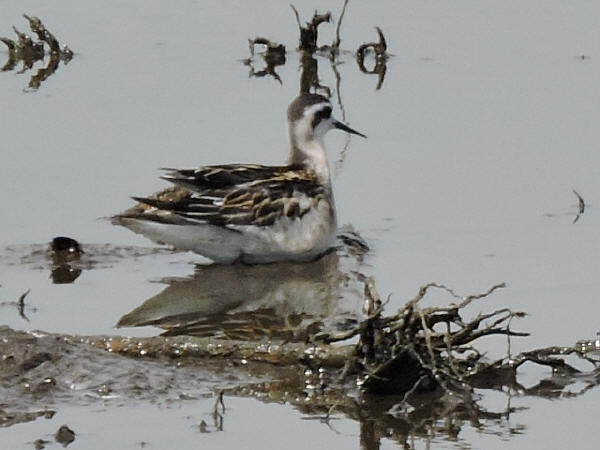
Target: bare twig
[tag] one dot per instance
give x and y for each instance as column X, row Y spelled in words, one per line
column 21, row 304
column 219, row 401
column 581, row 202
column 335, row 46
column 297, row 16
column 275, row 55
column 381, row 56
column 218, row 416
column 581, row 206
column 309, row 33
column 30, row 51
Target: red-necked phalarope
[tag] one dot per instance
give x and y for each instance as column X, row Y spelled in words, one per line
column 251, row 213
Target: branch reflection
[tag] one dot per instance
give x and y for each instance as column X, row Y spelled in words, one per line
column 28, row 51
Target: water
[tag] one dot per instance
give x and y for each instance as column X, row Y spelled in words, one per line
column 483, row 126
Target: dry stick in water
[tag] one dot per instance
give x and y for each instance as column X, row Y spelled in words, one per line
column 21, row 304
column 581, row 206
column 381, row 56
column 394, row 353
column 335, row 46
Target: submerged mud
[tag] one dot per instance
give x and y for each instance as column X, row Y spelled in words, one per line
column 292, row 336
column 40, row 373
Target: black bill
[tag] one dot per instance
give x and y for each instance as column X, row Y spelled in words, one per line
column 346, row 128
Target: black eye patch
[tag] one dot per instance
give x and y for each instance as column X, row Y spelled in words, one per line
column 320, row 115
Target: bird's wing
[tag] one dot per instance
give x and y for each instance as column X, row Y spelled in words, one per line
column 237, row 195
column 222, row 176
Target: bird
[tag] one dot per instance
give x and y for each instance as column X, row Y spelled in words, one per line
column 251, row 213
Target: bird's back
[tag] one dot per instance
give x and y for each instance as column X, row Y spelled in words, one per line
column 254, row 212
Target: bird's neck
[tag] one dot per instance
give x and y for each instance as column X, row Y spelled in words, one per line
column 309, row 153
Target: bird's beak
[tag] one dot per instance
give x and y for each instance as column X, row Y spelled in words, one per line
column 346, row 128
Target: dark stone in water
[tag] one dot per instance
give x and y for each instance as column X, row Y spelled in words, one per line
column 66, row 245
column 64, row 435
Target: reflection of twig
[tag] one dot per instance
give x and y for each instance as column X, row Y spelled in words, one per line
column 12, row 46
column 29, row 51
column 218, row 416
column 326, row 419
column 273, row 56
column 21, row 305
column 338, row 89
column 339, row 164
column 414, row 389
column 44, row 72
column 335, row 46
column 43, row 34
column 508, row 350
column 271, row 46
column 309, row 33
column 309, row 76
column 219, row 401
column 581, row 206
column 381, row 56
column 12, row 59
column 297, row 16
column 27, row 48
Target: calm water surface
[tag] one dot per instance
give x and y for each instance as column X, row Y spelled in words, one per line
column 486, row 122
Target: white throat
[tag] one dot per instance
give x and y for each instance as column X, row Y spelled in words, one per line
column 307, row 148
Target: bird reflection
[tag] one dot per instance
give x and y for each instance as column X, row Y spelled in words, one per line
column 287, row 301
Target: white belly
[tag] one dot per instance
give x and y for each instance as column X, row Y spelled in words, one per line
column 289, row 239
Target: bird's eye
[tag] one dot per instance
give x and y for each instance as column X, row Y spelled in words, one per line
column 323, row 114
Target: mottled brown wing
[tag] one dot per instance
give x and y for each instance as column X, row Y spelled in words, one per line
column 222, row 176
column 237, row 195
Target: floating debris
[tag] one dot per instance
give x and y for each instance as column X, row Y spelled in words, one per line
column 308, row 47
column 416, row 350
column 581, row 206
column 21, row 305
column 28, row 51
column 316, row 377
column 64, row 435
column 309, row 34
column 273, row 56
column 39, row 444
column 272, row 47
column 335, row 46
column 381, row 56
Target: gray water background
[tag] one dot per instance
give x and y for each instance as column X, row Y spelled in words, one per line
column 485, row 123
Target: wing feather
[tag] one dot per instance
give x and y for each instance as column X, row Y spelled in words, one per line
column 236, row 194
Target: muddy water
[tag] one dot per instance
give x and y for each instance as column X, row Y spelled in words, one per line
column 484, row 125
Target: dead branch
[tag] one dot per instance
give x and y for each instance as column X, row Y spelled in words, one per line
column 42, row 33
column 335, row 46
column 29, row 51
column 406, row 352
column 380, row 50
column 272, row 47
column 309, row 33
column 581, row 204
column 273, row 56
column 21, row 305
